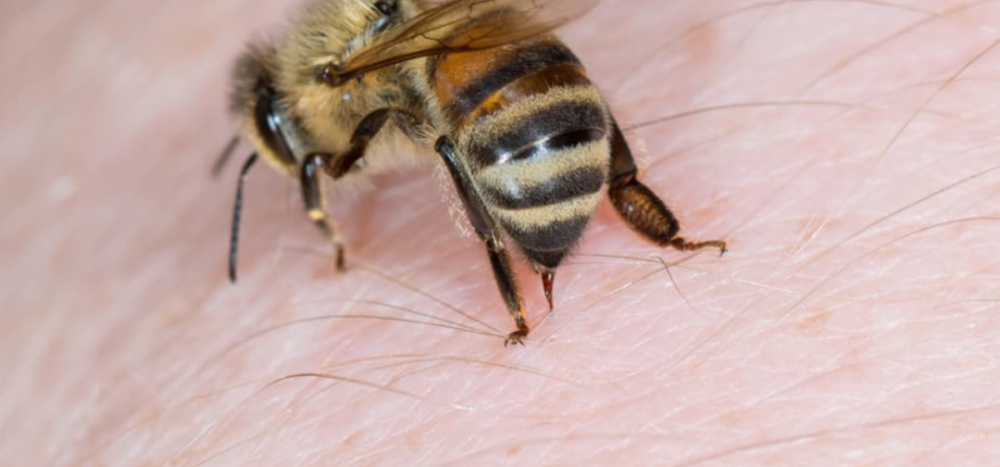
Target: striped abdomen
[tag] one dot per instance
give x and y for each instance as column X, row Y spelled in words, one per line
column 534, row 132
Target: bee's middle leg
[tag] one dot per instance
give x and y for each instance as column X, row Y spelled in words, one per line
column 490, row 235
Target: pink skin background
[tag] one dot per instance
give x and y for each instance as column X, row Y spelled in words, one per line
column 846, row 150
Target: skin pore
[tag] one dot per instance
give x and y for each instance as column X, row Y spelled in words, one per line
column 846, row 150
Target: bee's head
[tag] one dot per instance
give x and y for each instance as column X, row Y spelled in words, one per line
column 323, row 36
column 258, row 108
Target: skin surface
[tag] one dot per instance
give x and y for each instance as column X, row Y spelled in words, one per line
column 846, row 150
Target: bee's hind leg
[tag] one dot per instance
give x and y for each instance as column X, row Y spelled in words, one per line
column 312, row 195
column 642, row 210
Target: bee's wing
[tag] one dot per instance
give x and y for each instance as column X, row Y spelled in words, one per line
column 438, row 31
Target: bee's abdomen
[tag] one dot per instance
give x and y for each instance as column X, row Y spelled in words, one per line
column 540, row 164
column 560, row 188
column 546, row 219
column 534, row 132
column 470, row 86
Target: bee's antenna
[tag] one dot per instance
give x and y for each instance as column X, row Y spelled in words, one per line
column 234, row 237
column 223, row 159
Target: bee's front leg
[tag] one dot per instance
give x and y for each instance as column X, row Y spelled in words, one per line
column 337, row 167
column 363, row 135
column 315, row 201
column 487, row 231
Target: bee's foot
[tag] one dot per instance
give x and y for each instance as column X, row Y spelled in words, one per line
column 341, row 261
column 516, row 337
column 685, row 245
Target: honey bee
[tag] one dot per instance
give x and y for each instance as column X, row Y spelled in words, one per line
column 525, row 136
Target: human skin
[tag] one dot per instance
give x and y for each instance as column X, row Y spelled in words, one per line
column 844, row 150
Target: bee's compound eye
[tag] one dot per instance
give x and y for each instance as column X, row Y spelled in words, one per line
column 386, row 7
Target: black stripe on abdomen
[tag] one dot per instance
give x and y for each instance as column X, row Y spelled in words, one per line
column 555, row 143
column 557, row 127
column 520, row 62
column 561, row 187
column 547, row 245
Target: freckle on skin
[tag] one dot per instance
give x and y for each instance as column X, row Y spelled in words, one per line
column 352, row 439
column 815, row 324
